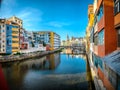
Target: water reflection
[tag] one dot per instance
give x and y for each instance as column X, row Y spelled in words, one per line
column 50, row 72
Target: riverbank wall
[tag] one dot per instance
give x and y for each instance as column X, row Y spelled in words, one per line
column 21, row 57
column 97, row 82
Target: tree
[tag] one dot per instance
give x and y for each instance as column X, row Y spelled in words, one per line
column 44, row 44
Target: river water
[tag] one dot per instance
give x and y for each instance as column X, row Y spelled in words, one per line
column 52, row 72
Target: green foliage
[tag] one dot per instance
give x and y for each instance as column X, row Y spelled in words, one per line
column 44, row 44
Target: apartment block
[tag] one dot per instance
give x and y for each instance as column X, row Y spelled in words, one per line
column 9, row 42
column 15, row 37
column 5, row 37
column 48, row 38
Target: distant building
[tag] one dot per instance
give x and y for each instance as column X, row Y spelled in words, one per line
column 73, row 41
column 47, row 37
column 63, row 43
column 77, row 41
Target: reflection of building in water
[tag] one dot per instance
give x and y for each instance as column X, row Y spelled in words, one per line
column 47, row 62
column 52, row 61
column 14, row 71
column 68, row 51
column 34, row 64
column 76, row 56
column 89, row 77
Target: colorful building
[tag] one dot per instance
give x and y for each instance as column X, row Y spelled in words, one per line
column 20, row 27
column 48, row 38
column 104, row 37
column 15, row 37
column 5, row 37
column 104, row 41
column 89, row 27
column 9, row 41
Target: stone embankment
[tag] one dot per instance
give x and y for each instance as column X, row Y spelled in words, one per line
column 13, row 58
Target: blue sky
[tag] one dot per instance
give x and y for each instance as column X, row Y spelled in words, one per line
column 61, row 16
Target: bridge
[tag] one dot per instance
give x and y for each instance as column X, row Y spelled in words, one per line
column 76, row 49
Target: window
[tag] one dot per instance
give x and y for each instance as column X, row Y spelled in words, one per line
column 117, row 6
column 96, row 39
column 97, row 61
column 100, row 13
column 15, row 32
column 91, row 35
column 101, row 37
column 15, row 26
column 15, row 36
column 7, row 27
column 14, row 47
column 15, row 41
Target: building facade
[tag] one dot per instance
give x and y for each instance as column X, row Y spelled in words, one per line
column 20, row 27
column 5, row 37
column 47, row 38
column 89, row 26
column 9, row 42
column 104, row 41
column 15, row 37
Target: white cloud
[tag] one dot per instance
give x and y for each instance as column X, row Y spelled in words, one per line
column 30, row 16
column 58, row 24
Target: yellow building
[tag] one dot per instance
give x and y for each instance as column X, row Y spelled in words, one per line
column 48, row 37
column 20, row 27
column 89, row 27
column 54, row 40
column 15, row 37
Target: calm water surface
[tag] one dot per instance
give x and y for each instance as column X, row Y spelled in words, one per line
column 53, row 72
